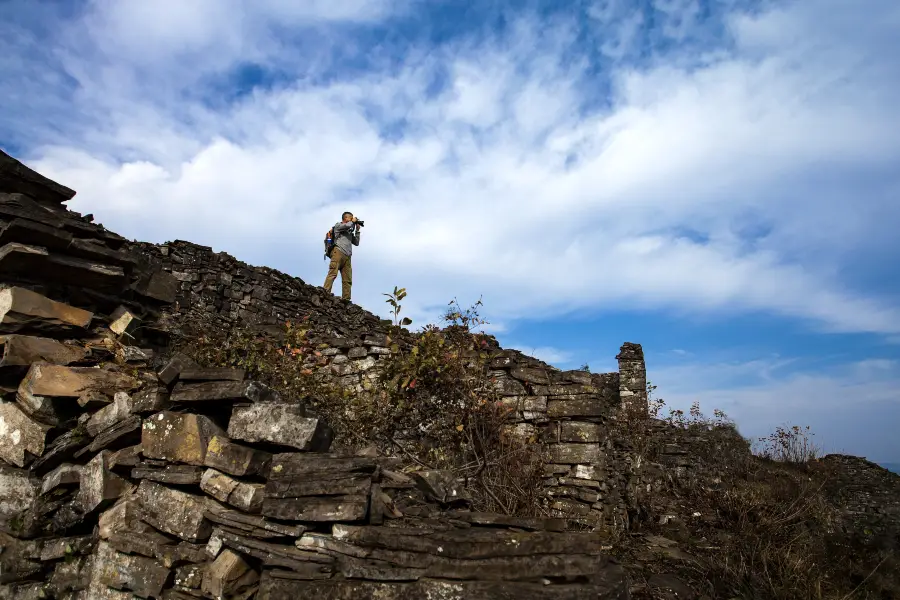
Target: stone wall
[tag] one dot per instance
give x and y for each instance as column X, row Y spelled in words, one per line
column 572, row 412
column 869, row 496
column 216, row 289
column 120, row 479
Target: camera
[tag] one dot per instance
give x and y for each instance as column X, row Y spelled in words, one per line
column 360, row 223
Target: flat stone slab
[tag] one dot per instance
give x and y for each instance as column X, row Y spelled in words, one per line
column 248, row 497
column 23, row 350
column 234, row 459
column 22, row 309
column 579, row 432
column 22, row 439
column 174, row 512
column 44, row 379
column 172, row 474
column 34, row 262
column 143, row 576
column 177, row 437
column 587, row 406
column 279, row 423
column 575, row 453
column 17, row 177
column 178, row 363
column 207, row 391
column 26, row 231
column 117, row 410
column 65, row 474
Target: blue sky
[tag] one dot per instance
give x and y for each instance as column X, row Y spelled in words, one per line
column 716, row 180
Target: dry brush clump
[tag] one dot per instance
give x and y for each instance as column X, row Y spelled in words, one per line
column 432, row 402
column 762, row 526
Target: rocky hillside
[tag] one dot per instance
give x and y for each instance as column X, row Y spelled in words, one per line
column 177, row 424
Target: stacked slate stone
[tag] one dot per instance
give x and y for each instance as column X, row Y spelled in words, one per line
column 196, row 483
column 217, row 289
column 127, row 474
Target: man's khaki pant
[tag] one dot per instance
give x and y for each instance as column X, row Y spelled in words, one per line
column 340, row 262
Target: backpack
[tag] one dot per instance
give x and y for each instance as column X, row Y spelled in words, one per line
column 329, row 243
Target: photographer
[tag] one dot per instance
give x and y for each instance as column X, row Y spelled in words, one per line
column 346, row 235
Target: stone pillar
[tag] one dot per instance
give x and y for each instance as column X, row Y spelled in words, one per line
column 632, row 378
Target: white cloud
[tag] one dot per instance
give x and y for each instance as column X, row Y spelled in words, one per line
column 513, row 181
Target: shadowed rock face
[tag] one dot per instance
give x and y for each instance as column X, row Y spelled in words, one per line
column 16, row 177
column 136, row 473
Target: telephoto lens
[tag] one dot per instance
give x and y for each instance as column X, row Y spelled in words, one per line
column 360, row 223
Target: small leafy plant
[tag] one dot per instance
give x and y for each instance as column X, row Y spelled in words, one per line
column 394, row 300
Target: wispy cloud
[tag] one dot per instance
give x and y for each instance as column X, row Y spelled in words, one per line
column 710, row 164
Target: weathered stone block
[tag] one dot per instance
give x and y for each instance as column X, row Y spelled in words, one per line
column 505, row 385
column 150, row 400
column 122, row 321
column 364, row 364
column 575, row 453
column 159, row 286
column 174, row 367
column 227, row 574
column 531, row 375
column 587, row 407
column 64, row 474
column 174, row 512
column 175, row 474
column 22, row 439
column 124, row 517
column 177, row 437
column 21, row 308
column 222, row 391
column 234, row 459
column 44, row 379
column 526, row 403
column 23, row 350
column 580, row 377
column 564, row 389
column 246, row 496
column 143, row 576
column 588, row 472
column 117, row 410
column 579, row 431
column 18, row 177
column 279, row 423
column 377, row 339
column 358, row 352
column 24, row 260
column 98, row 485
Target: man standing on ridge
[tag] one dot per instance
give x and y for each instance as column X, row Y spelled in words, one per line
column 346, row 235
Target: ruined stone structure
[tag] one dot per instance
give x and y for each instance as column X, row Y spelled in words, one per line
column 571, row 411
column 133, row 474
